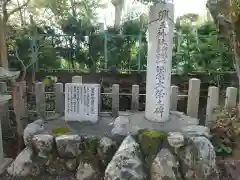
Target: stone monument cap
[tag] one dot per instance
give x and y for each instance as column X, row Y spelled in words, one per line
column 8, row 75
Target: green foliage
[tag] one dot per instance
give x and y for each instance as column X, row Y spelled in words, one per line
column 226, row 131
column 73, row 38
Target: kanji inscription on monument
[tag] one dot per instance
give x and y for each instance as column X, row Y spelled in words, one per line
column 159, row 62
column 82, row 102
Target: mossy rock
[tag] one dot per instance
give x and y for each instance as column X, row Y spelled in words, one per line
column 151, row 141
column 89, row 155
column 59, row 131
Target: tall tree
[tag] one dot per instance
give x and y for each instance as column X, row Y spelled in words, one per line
column 226, row 14
column 6, row 12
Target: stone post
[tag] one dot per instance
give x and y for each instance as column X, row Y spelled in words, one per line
column 159, row 61
column 77, row 79
column 231, row 98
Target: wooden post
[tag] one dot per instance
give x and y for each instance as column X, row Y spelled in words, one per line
column 115, row 100
column 77, row 79
column 59, row 99
column 135, row 97
column 40, row 99
column 231, row 98
column 212, row 102
column 193, row 97
column 174, row 98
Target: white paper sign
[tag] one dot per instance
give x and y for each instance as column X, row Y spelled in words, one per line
column 82, row 102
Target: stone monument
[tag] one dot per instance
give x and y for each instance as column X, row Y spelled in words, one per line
column 5, row 75
column 159, row 61
column 82, row 102
column 158, row 82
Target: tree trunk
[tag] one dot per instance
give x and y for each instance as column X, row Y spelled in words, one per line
column 3, row 45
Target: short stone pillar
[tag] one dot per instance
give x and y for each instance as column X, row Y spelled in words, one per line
column 159, row 61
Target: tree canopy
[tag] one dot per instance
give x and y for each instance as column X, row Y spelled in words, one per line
column 66, row 34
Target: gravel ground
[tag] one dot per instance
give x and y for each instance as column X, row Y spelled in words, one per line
column 6, row 176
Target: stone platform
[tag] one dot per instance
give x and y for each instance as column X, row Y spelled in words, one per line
column 137, row 120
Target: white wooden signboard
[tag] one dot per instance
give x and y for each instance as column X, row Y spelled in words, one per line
column 82, row 102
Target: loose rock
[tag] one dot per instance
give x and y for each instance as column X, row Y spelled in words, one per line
column 43, row 143
column 68, row 146
column 127, row 162
column 56, row 167
column 23, row 164
column 175, row 139
column 86, row 172
column 121, row 126
column 71, row 164
column 165, row 166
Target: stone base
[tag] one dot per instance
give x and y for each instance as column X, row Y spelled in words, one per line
column 177, row 121
column 4, row 165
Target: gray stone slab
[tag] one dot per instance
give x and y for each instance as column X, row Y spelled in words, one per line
column 137, row 121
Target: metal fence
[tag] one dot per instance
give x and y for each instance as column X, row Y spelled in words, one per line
column 116, row 52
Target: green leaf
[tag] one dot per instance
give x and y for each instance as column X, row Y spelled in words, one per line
column 226, row 149
column 218, row 150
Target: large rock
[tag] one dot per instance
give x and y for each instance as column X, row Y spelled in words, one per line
column 106, row 149
column 126, row 163
column 165, row 166
column 23, row 164
column 43, row 143
column 198, row 159
column 68, row 146
column 33, row 128
column 85, row 171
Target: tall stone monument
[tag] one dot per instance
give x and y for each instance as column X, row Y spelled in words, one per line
column 159, row 61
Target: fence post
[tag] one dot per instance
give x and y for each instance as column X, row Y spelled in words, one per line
column 115, row 100
column 231, row 98
column 193, row 97
column 5, row 115
column 212, row 102
column 77, row 79
column 174, row 98
column 40, row 99
column 59, row 99
column 135, row 97
column 23, row 97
